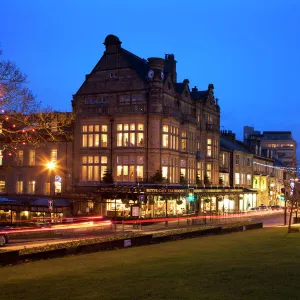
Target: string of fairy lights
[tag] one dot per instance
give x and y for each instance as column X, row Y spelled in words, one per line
column 274, row 167
column 6, row 117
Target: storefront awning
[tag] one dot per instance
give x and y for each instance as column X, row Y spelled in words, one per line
column 56, row 202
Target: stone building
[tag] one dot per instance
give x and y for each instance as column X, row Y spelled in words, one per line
column 134, row 120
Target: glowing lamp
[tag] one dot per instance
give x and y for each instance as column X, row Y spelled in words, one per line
column 51, row 165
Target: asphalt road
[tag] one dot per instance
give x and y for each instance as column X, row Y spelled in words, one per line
column 268, row 219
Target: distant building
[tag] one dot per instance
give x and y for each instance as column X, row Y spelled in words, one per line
column 274, row 144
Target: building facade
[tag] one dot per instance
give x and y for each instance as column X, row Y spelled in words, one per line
column 134, row 120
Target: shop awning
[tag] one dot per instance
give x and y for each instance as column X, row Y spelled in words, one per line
column 56, row 202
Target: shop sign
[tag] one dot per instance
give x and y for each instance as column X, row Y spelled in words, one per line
column 165, row 191
column 135, row 211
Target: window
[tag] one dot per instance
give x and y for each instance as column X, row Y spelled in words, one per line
column 165, row 172
column 2, row 186
column 237, row 178
column 237, row 159
column 130, row 99
column 19, row 185
column 183, row 140
column 31, row 157
column 130, row 168
column 170, row 137
column 200, row 170
column 208, row 153
column 53, row 155
column 249, row 179
column 93, row 134
column 20, row 157
column 1, row 158
column 93, row 167
column 31, row 186
column 208, row 171
column 248, row 162
column 165, row 136
column 130, row 135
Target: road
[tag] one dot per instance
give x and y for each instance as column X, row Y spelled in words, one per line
column 268, row 219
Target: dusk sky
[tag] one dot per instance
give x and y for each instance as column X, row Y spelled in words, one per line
column 249, row 49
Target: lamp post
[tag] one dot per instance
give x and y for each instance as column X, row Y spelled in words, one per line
column 51, row 167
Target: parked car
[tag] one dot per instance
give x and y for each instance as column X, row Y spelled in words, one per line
column 4, row 236
column 254, row 208
column 262, row 207
column 276, row 207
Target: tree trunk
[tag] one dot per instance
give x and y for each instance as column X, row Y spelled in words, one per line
column 290, row 217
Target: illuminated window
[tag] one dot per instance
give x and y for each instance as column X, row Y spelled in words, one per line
column 129, row 135
column 1, row 158
column 208, row 147
column 53, row 157
column 2, row 186
column 93, row 167
column 208, row 171
column 200, row 170
column 249, row 179
column 130, row 169
column 19, row 185
column 165, row 172
column 31, row 157
column 183, row 141
column 94, row 136
column 237, row 178
column 31, row 186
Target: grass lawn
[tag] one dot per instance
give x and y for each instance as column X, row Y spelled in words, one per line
column 258, row 264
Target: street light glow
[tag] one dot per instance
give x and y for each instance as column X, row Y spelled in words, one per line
column 51, row 165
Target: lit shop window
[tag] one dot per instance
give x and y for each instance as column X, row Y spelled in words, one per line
column 130, row 135
column 93, row 167
column 94, row 135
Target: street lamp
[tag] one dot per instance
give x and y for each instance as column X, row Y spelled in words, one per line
column 51, row 167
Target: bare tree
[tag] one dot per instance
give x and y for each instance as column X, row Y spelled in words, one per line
column 22, row 118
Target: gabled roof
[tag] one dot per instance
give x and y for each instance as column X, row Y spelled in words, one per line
column 199, row 95
column 138, row 64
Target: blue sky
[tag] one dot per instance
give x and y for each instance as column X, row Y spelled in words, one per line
column 248, row 49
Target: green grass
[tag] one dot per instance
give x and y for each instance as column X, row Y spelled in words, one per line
column 258, row 264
